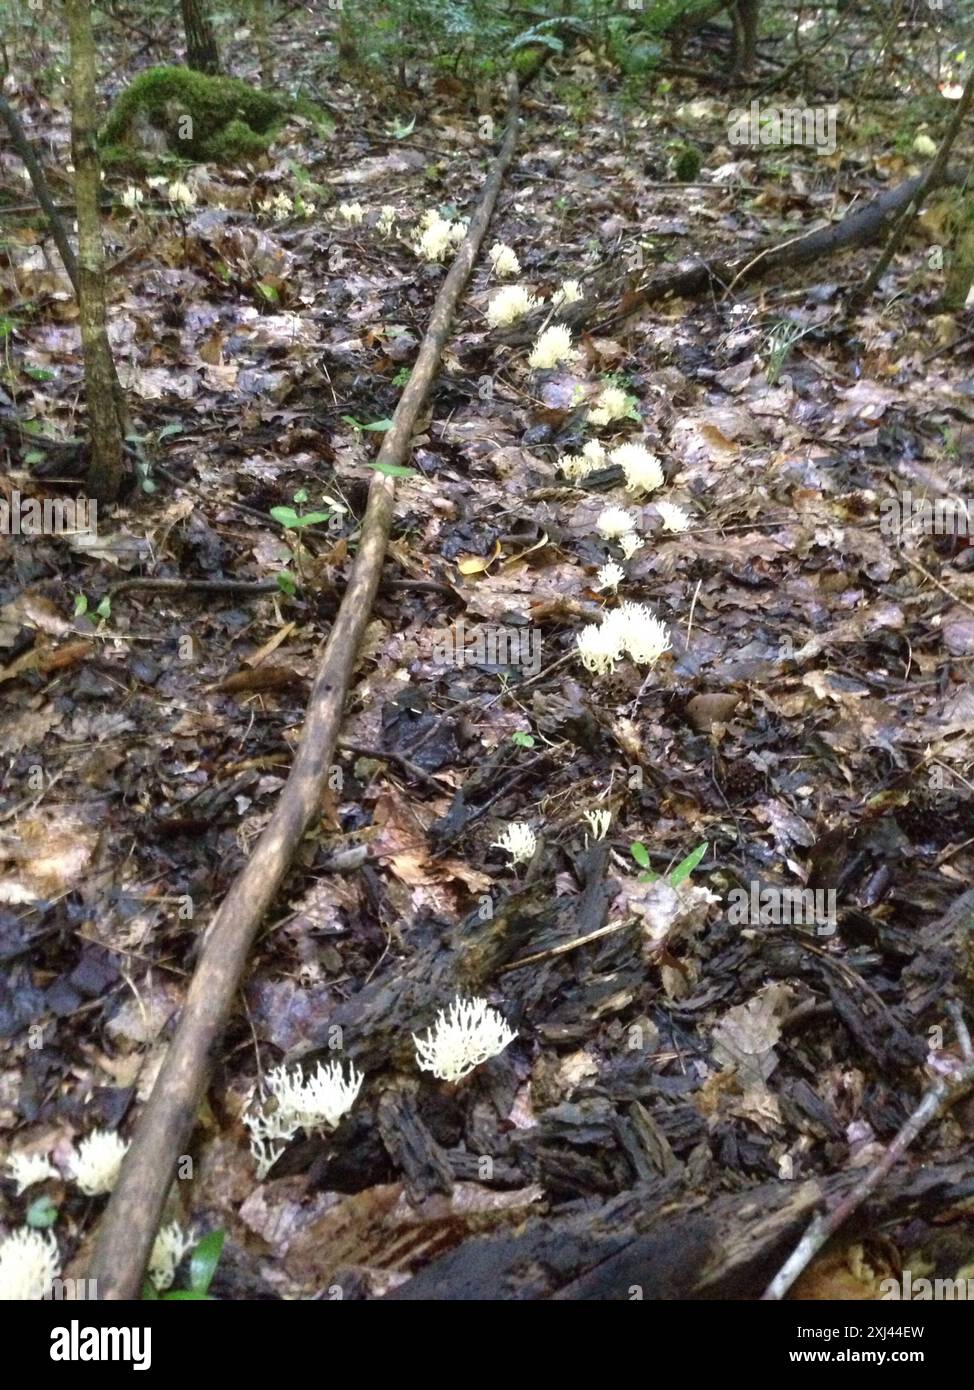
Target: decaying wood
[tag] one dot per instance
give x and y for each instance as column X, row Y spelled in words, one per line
column 134, row 1211
column 659, row 1241
column 376, row 1024
column 941, row 1093
column 695, row 275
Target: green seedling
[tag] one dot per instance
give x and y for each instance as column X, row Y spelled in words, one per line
column 683, row 870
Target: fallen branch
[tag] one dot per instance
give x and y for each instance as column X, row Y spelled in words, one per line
column 663, row 1240
column 944, row 1091
column 695, row 275
column 933, row 176
column 135, row 1208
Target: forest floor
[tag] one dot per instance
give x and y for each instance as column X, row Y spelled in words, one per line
column 810, row 726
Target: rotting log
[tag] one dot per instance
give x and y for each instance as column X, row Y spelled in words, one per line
column 617, row 296
column 659, row 1241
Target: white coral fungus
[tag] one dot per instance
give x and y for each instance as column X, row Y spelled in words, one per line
column 577, row 466
column 504, row 261
column 599, row 822
column 170, row 1245
column 614, row 522
column 552, row 346
column 28, row 1169
column 181, row 195
column 610, row 576
column 629, row 630
column 510, row 304
column 459, row 1041
column 319, row 1101
column 278, row 205
column 629, row 544
column 569, row 292
column 312, row 1104
column 519, row 840
column 612, row 404
column 28, row 1265
column 435, row 239
column 674, row 518
column 642, row 636
column 97, row 1160
column 642, row 469
column 352, row 213
column 598, row 648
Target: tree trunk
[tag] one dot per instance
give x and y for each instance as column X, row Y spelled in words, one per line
column 105, row 466
column 745, row 56
column 201, row 49
column 961, row 273
column 265, row 54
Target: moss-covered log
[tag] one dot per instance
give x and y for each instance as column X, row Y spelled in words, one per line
column 176, row 111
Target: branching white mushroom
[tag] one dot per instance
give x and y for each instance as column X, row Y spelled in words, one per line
column 460, row 1040
column 28, row 1265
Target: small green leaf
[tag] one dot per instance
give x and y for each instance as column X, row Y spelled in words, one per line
column 80, row 605
column 640, row 853
column 378, row 426
column 295, row 521
column 33, row 456
column 522, row 739
column 40, row 373
column 286, row 584
column 186, row 1296
column 104, row 609
column 301, row 495
column 41, row 1213
column 204, row 1260
column 351, row 420
column 688, row 865
column 168, row 430
column 394, row 470
column 268, row 291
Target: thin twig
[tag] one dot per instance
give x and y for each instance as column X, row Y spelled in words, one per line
column 941, row 1093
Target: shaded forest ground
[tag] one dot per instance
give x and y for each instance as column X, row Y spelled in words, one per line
column 810, row 726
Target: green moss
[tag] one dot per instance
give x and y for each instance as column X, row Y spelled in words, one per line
column 685, row 161
column 529, row 59
column 176, row 111
column 236, row 141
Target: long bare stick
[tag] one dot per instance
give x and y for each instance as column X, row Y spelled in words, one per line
column 130, row 1221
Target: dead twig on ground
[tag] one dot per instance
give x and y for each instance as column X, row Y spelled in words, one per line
column 941, row 1093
